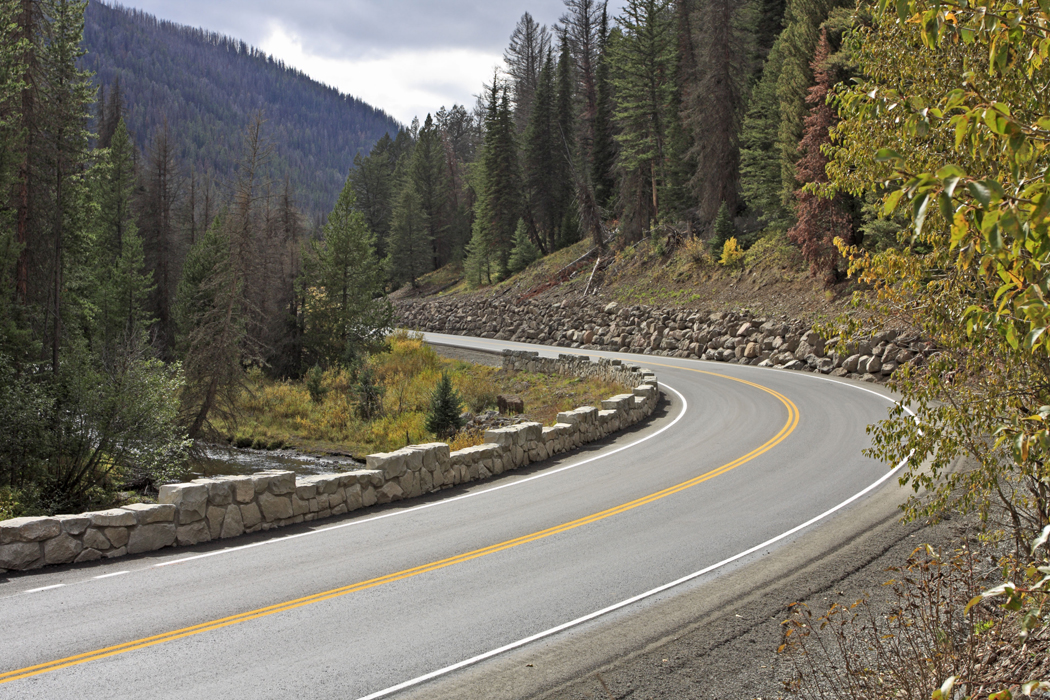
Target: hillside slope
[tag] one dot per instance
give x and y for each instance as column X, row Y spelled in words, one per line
column 208, row 87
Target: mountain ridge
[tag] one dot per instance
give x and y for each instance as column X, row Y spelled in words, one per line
column 207, row 87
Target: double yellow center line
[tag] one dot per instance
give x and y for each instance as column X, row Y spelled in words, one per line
column 787, row 429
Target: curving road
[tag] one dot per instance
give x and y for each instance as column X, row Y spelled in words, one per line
column 443, row 596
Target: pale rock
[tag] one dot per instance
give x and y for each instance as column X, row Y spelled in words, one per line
column 117, row 536
column 114, row 553
column 194, row 533
column 392, row 465
column 29, row 530
column 220, row 493
column 354, row 497
column 74, row 524
column 190, row 501
column 391, row 491
column 94, row 539
column 275, row 507
column 215, row 516
column 19, row 556
column 148, row 514
column 62, row 549
column 150, row 538
column 88, row 555
column 368, row 497
column 250, row 515
column 243, row 489
column 306, row 491
column 232, row 523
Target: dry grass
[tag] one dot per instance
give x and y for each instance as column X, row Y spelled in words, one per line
column 276, row 413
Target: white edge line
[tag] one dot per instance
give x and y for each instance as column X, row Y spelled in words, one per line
column 603, row 455
column 45, row 588
column 655, row 591
column 116, row 573
column 629, row 601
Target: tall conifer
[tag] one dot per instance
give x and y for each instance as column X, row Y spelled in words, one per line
column 644, row 59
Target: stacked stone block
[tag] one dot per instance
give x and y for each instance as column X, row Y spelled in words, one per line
column 223, row 507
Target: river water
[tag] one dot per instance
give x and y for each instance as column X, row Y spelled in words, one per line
column 219, row 461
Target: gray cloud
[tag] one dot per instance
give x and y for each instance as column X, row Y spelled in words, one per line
column 361, row 28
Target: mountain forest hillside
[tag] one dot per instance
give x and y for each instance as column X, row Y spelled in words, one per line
column 205, row 88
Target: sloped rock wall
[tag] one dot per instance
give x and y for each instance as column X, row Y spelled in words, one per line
column 743, row 338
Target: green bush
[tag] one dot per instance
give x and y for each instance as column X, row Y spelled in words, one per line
column 315, row 384
column 445, row 409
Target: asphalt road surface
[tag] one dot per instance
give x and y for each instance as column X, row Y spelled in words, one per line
column 503, row 588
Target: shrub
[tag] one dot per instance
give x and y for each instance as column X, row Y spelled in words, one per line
column 696, row 253
column 732, row 255
column 773, row 247
column 315, row 385
column 524, row 252
column 369, row 394
column 445, row 409
column 725, row 229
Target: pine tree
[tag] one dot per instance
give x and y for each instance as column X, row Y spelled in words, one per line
column 111, row 112
column 542, row 155
column 217, row 310
column 159, row 203
column 429, row 176
column 567, row 161
column 644, row 60
column 373, row 178
column 344, row 310
column 498, row 185
column 63, row 141
column 802, row 20
column 443, row 416
column 725, row 65
column 409, row 249
column 124, row 284
column 525, row 56
column 821, row 219
column 13, row 336
column 209, row 314
column 604, row 152
column 724, row 228
column 760, row 171
column 524, row 252
column 581, row 24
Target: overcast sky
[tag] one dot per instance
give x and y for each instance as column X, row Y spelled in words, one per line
column 408, row 57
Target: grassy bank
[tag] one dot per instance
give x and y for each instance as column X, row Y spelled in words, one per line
column 285, row 414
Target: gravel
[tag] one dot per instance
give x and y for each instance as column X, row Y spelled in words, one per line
column 735, row 655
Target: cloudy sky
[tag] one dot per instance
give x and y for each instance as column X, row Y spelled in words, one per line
column 408, row 57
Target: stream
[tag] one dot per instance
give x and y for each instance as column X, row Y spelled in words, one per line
column 229, row 461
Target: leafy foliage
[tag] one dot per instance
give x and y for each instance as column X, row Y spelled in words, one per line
column 974, row 180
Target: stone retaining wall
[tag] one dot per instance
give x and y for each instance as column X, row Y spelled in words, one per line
column 739, row 337
column 224, row 507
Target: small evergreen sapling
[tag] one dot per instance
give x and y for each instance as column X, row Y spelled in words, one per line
column 525, row 251
column 445, row 408
column 369, row 394
column 724, row 227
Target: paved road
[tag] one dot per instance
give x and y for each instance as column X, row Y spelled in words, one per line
column 377, row 603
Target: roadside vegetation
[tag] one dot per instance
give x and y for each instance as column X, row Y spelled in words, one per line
column 382, row 404
column 953, row 145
